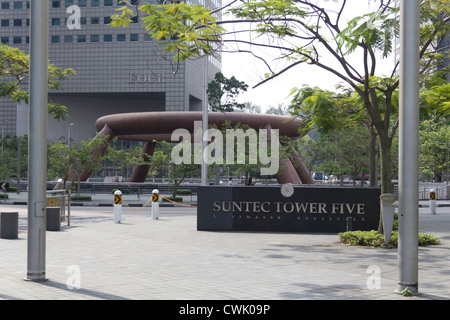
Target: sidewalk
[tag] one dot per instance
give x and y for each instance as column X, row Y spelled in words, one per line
column 169, row 259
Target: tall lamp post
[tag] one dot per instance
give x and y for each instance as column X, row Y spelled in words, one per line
column 37, row 145
column 204, row 166
column 409, row 147
column 68, row 136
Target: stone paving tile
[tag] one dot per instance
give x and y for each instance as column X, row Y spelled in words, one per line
column 168, row 259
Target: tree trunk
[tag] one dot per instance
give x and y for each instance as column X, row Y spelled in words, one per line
column 386, row 174
column 372, row 157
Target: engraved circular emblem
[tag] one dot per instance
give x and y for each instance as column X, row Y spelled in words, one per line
column 287, row 190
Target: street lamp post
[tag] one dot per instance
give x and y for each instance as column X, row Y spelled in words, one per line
column 68, row 135
column 37, row 145
column 408, row 228
column 204, row 166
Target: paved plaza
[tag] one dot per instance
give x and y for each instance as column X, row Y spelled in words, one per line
column 168, row 259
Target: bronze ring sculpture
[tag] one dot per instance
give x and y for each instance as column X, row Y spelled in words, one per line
column 158, row 126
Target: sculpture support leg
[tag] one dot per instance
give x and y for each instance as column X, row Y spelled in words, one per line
column 301, row 169
column 287, row 173
column 140, row 172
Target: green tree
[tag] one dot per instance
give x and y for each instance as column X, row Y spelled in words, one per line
column 179, row 172
column 7, row 168
column 280, row 110
column 434, row 147
column 321, row 110
column 123, row 159
column 313, row 152
column 9, row 157
column 58, row 161
column 300, row 31
column 222, row 92
column 127, row 159
column 14, row 73
column 352, row 152
column 81, row 158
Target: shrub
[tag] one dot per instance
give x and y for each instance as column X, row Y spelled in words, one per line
column 395, row 224
column 176, row 199
column 362, row 238
column 184, row 191
column 428, row 240
column 374, row 239
column 80, row 198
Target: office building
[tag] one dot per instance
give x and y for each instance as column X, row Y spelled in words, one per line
column 118, row 69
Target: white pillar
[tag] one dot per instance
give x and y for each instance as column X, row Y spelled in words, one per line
column 433, row 201
column 155, row 204
column 117, row 206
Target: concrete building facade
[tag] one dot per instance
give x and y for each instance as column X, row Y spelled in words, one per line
column 118, row 69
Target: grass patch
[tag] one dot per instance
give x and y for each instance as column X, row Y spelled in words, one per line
column 374, row 239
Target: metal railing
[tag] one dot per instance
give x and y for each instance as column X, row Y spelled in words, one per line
column 58, row 198
column 442, row 193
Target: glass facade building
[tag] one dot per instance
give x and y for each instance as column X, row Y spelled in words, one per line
column 118, row 69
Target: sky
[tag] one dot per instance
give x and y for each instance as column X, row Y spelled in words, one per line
column 246, row 68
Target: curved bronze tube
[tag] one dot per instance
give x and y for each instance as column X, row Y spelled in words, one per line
column 158, row 126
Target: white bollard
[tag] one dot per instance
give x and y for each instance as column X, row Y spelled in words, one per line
column 155, row 204
column 433, row 201
column 117, row 206
column 388, row 202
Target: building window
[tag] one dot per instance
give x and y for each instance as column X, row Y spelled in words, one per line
column 121, row 38
column 56, row 22
column 17, row 22
column 83, row 21
column 95, row 38
column 81, row 38
column 5, row 5
column 5, row 23
column 82, row 3
column 147, row 37
column 69, row 3
column 56, row 4
column 17, row 40
column 55, row 39
column 134, row 19
column 68, row 39
column 107, row 38
column 106, row 20
column 17, row 5
column 4, row 40
column 95, row 3
column 95, row 20
column 108, row 3
column 134, row 37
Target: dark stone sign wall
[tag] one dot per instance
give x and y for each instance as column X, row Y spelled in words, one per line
column 308, row 209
